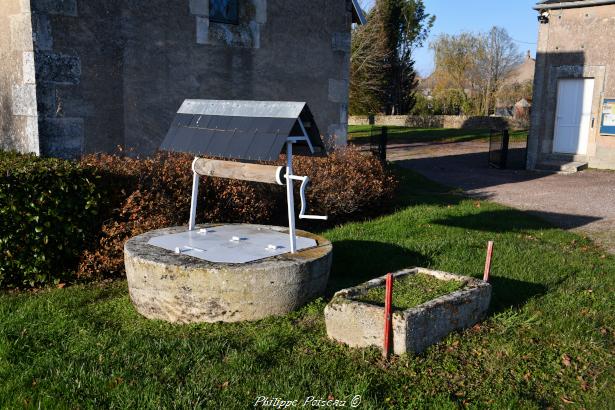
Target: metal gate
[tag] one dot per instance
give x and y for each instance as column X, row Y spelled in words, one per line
column 378, row 139
column 498, row 148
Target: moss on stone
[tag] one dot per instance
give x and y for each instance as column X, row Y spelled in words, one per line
column 411, row 291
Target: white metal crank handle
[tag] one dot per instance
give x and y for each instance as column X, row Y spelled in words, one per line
column 302, row 215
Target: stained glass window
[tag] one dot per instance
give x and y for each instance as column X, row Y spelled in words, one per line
column 224, row 11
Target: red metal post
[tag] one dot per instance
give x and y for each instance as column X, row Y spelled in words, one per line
column 488, row 261
column 388, row 301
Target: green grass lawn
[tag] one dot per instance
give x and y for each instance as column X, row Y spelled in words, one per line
column 549, row 340
column 411, row 291
column 360, row 134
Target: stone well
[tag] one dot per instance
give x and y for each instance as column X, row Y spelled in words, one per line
column 360, row 324
column 184, row 289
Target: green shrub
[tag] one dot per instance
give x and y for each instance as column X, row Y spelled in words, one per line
column 48, row 210
column 63, row 220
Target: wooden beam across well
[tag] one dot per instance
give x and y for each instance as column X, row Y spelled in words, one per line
column 240, row 170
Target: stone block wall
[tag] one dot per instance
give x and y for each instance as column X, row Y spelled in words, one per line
column 440, row 121
column 18, row 109
column 103, row 74
column 78, row 53
column 290, row 50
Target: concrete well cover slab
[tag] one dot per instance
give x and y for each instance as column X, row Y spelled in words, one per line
column 230, row 243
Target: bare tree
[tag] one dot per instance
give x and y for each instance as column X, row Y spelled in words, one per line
column 455, row 61
column 498, row 56
column 368, row 55
column 456, row 77
column 475, row 64
column 512, row 92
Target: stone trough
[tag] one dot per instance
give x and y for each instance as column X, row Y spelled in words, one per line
column 184, row 289
column 360, row 324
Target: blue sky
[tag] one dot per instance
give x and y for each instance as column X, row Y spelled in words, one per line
column 455, row 16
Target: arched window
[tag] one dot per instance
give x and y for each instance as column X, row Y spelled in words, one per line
column 224, row 11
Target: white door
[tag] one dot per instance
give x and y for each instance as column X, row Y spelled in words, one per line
column 573, row 115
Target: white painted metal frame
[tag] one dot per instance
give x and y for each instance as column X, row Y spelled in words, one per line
column 290, row 199
column 194, row 199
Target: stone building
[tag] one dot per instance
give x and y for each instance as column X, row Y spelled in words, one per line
column 573, row 117
column 516, row 88
column 79, row 76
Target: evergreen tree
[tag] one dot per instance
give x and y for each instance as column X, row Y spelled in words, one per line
column 383, row 78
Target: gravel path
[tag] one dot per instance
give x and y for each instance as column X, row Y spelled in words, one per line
column 583, row 202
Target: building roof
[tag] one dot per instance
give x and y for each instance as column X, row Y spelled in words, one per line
column 357, row 13
column 244, row 130
column 567, row 4
column 558, row 1
column 523, row 72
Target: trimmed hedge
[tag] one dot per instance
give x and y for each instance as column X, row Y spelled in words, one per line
column 64, row 221
column 49, row 209
column 155, row 193
column 152, row 193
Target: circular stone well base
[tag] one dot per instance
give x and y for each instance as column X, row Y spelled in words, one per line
column 183, row 289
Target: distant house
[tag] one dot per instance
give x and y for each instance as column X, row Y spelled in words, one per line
column 573, row 114
column 516, row 89
column 522, row 108
column 523, row 72
column 80, row 76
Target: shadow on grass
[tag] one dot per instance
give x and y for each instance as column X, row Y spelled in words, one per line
column 512, row 220
column 355, row 262
column 511, row 293
column 415, row 189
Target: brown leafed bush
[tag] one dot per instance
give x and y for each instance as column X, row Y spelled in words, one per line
column 153, row 193
column 346, row 185
column 147, row 194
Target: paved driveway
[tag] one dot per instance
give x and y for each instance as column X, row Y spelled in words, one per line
column 583, row 202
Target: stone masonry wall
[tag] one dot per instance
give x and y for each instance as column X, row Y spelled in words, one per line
column 294, row 50
column 439, row 121
column 78, row 54
column 18, row 113
column 95, row 75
